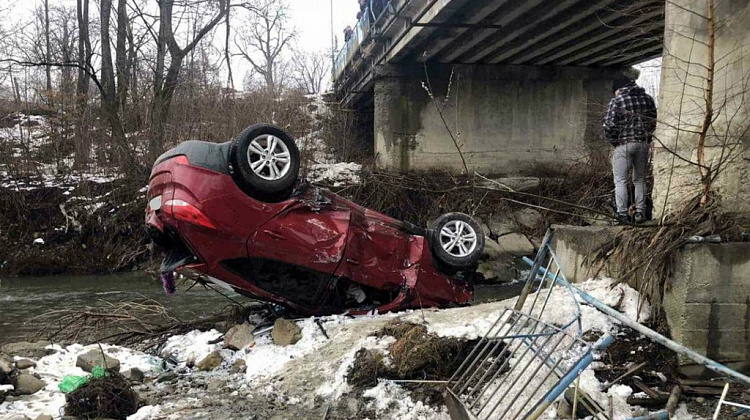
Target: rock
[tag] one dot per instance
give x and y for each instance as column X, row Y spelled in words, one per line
column 239, row 366
column 6, row 367
column 499, row 226
column 89, row 360
column 44, row 417
column 516, row 244
column 563, row 409
column 133, row 375
column 527, row 218
column 492, row 249
column 286, row 332
column 27, row 384
column 25, row 364
column 210, row 362
column 34, row 350
column 239, row 337
column 217, row 384
column 166, row 377
column 700, row 400
column 487, row 270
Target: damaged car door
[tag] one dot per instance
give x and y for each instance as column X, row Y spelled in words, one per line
column 295, row 254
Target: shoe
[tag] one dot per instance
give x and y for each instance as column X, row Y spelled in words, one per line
column 639, row 218
column 623, row 219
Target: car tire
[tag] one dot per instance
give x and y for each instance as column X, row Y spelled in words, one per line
column 265, row 160
column 462, row 253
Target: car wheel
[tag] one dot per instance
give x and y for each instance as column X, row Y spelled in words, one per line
column 457, row 240
column 265, row 160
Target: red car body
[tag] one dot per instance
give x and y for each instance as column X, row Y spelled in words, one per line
column 311, row 252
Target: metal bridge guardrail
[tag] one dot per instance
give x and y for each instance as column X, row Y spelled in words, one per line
column 362, row 30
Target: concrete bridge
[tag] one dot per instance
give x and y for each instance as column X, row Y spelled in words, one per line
column 515, row 83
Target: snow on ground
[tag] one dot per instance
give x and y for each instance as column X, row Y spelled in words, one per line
column 315, row 367
column 62, row 362
column 335, row 174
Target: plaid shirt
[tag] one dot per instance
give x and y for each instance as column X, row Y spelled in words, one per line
column 631, row 116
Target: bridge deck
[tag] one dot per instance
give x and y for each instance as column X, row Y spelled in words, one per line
column 588, row 33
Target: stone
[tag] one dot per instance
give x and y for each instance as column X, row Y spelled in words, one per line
column 516, row 244
column 25, row 364
column 527, row 218
column 210, row 362
column 487, row 270
column 92, row 358
column 239, row 366
column 6, row 365
column 133, row 375
column 34, row 350
column 499, row 226
column 44, row 417
column 564, row 410
column 26, row 384
column 217, row 384
column 166, row 377
column 700, row 400
column 239, row 336
column 492, row 249
column 286, row 332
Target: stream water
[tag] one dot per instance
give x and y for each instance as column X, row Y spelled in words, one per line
column 22, row 299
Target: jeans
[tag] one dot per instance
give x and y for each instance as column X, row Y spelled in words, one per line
column 626, row 156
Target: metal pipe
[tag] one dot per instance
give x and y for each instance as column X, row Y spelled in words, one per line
column 664, row 341
column 568, row 379
column 534, row 268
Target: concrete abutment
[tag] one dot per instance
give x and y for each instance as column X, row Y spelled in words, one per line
column 507, row 119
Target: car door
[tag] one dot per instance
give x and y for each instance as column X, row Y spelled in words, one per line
column 296, row 252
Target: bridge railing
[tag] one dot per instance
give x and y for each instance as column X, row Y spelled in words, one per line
column 362, row 30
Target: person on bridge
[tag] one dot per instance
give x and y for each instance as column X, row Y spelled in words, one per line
column 629, row 126
column 348, row 32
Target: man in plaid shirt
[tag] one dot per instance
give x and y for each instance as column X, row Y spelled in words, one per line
column 629, row 125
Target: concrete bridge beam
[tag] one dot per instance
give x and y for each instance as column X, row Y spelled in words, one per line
column 507, row 119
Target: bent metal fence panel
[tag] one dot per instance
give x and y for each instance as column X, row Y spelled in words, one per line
column 523, row 364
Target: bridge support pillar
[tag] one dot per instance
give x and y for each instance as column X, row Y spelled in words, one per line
column 505, row 119
column 677, row 178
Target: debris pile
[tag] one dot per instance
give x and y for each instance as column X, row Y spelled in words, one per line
column 110, row 396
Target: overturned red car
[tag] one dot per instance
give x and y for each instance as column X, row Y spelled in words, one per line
column 237, row 214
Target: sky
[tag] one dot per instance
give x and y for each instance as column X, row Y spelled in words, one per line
column 312, row 18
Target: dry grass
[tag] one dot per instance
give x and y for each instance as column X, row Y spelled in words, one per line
column 645, row 256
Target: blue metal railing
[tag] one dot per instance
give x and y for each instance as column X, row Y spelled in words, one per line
column 362, row 30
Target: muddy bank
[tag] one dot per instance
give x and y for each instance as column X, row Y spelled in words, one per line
column 82, row 224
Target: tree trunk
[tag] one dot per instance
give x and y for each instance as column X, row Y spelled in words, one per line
column 82, row 143
column 109, row 100
column 162, row 104
column 230, row 79
column 165, row 13
column 47, row 57
column 705, row 170
column 121, row 60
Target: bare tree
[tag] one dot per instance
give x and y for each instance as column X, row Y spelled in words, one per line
column 164, row 86
column 265, row 35
column 48, row 68
column 310, row 70
column 109, row 98
column 82, row 143
column 121, row 56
